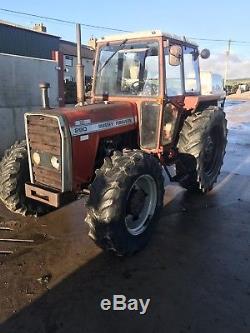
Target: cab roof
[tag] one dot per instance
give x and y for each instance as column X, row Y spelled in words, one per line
column 144, row 34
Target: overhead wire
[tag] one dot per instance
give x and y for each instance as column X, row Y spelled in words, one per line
column 85, row 25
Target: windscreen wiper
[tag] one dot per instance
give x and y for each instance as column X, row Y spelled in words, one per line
column 121, row 46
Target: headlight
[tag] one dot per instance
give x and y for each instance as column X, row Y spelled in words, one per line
column 36, row 158
column 55, row 162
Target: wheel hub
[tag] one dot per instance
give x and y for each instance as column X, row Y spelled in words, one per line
column 212, row 150
column 209, row 149
column 141, row 204
column 136, row 202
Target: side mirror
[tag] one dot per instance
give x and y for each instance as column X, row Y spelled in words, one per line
column 175, row 54
column 205, row 54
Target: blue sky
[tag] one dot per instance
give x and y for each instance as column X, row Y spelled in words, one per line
column 214, row 19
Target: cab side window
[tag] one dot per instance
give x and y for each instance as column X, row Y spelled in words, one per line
column 191, row 70
column 173, row 77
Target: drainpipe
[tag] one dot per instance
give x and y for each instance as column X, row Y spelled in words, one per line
column 80, row 84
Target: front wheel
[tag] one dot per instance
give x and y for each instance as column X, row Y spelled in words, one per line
column 14, row 173
column 125, row 200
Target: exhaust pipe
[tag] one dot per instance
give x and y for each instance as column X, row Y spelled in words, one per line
column 80, row 84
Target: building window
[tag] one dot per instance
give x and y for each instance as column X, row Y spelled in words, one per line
column 68, row 78
column 68, row 60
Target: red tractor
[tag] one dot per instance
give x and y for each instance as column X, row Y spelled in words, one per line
column 146, row 113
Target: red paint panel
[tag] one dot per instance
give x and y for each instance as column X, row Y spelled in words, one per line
column 84, row 152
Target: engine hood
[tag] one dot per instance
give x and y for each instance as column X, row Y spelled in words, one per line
column 82, row 130
column 98, row 113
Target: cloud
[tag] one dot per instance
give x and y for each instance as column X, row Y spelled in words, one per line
column 238, row 68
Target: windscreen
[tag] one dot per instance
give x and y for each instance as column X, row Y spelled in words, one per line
column 128, row 69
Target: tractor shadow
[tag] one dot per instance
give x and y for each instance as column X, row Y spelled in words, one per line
column 185, row 246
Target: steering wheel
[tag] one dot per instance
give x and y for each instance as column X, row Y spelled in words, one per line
column 135, row 87
column 150, row 89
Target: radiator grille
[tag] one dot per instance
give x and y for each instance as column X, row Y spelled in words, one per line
column 44, row 138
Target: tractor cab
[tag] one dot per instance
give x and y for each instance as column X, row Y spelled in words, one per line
column 154, row 70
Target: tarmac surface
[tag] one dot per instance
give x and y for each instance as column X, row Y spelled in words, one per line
column 196, row 269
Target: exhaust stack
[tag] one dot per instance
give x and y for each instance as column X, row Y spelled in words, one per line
column 80, row 84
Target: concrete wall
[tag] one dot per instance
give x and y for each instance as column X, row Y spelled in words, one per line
column 19, row 92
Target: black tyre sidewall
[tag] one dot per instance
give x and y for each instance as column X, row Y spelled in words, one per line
column 191, row 145
column 18, row 155
column 123, row 238
column 207, row 181
column 23, row 178
column 113, row 234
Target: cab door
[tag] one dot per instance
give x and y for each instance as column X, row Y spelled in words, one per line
column 174, row 93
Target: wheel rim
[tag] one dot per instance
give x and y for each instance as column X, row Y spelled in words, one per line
column 141, row 204
column 213, row 150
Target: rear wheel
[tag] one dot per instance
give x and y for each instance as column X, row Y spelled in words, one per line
column 201, row 145
column 14, row 173
column 125, row 200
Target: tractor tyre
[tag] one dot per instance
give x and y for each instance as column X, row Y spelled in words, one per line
column 14, row 172
column 202, row 143
column 125, row 200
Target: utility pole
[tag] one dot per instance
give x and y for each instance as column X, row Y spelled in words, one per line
column 227, row 61
column 80, row 84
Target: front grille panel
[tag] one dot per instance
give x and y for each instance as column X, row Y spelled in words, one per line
column 44, row 138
